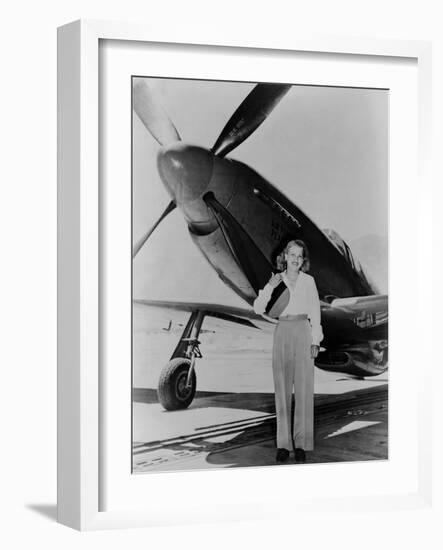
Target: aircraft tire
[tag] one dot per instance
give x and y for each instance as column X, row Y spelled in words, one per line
column 172, row 391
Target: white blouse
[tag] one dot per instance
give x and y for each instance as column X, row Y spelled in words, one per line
column 303, row 298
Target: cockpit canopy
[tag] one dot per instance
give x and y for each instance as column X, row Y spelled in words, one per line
column 344, row 250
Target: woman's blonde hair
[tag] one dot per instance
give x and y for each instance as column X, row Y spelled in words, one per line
column 281, row 262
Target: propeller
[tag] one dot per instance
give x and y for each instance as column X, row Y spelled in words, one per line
column 152, row 114
column 255, row 108
column 171, row 206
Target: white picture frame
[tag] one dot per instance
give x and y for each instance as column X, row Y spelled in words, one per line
column 81, row 393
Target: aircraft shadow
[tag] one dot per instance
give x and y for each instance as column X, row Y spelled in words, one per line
column 262, row 402
column 149, row 395
column 207, row 399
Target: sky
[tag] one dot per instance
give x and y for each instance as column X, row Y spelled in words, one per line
column 326, row 148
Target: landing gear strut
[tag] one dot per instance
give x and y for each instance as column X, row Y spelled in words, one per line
column 178, row 383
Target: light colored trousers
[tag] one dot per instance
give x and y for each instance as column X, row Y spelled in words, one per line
column 293, row 366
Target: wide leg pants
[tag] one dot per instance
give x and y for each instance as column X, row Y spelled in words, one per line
column 293, row 367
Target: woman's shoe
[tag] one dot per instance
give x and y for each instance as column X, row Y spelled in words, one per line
column 282, row 455
column 300, row 456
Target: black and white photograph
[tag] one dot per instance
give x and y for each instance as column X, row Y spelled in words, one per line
column 259, row 274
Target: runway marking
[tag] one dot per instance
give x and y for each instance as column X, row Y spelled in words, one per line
column 222, row 438
column 352, row 426
column 237, row 422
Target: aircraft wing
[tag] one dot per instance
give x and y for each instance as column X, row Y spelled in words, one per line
column 237, row 315
column 364, row 311
column 367, row 311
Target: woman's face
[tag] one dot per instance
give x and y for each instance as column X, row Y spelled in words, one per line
column 294, row 257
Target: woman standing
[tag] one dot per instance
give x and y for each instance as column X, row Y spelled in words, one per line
column 292, row 297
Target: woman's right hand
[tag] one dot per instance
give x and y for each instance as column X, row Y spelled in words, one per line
column 275, row 280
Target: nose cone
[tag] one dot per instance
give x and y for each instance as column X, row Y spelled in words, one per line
column 185, row 170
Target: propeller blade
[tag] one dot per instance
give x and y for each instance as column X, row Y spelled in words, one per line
column 171, row 206
column 152, row 114
column 247, row 118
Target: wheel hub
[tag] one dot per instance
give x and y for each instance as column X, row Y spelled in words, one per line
column 182, row 389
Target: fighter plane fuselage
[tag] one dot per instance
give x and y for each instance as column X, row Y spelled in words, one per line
column 241, row 222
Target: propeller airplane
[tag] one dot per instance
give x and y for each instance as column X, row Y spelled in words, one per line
column 240, row 222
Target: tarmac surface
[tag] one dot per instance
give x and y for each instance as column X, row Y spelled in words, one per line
column 231, row 422
column 216, row 433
